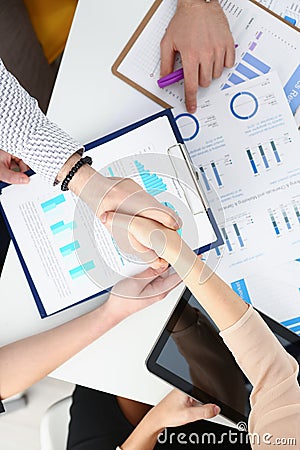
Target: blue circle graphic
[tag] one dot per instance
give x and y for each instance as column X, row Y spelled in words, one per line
column 248, row 116
column 196, row 122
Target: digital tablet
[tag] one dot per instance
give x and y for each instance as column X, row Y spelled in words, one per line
column 191, row 356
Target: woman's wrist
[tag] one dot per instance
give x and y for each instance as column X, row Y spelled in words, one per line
column 145, row 435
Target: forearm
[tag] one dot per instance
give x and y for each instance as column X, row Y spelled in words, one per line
column 24, row 362
column 144, row 436
column 217, row 298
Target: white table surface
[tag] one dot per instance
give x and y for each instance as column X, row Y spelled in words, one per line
column 88, row 101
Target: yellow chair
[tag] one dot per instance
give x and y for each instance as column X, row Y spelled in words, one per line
column 51, row 20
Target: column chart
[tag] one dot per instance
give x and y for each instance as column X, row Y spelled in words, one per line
column 51, row 204
column 61, row 226
column 82, row 269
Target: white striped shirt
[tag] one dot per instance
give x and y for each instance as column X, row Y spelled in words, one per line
column 27, row 133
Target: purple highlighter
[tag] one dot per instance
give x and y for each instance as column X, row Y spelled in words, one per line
column 171, row 78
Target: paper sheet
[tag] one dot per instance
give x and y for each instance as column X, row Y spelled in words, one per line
column 246, row 147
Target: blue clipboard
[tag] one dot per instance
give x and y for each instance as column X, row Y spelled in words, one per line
column 219, row 240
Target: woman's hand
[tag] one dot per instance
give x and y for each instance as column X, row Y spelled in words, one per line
column 174, row 410
column 178, row 409
column 135, row 293
column 137, row 235
column 121, row 195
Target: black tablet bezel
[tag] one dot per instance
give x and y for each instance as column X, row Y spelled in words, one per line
column 188, row 388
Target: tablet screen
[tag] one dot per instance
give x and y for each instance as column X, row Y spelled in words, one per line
column 192, row 356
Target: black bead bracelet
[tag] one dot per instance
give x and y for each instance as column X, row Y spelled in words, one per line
column 80, row 163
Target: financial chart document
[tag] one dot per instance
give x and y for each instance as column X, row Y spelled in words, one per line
column 245, row 145
column 263, row 43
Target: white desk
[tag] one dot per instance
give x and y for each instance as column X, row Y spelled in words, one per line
column 88, row 101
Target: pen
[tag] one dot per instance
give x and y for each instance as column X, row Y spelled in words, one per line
column 173, row 77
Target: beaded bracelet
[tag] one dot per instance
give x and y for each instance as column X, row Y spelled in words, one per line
column 80, row 163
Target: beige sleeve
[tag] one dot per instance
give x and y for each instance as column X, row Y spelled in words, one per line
column 275, row 399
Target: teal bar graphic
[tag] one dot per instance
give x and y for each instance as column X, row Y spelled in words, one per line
column 69, row 249
column 153, row 184
column 59, row 227
column 111, row 172
column 53, row 203
column 81, row 270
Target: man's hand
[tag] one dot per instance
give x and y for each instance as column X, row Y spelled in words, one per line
column 135, row 293
column 200, row 32
column 12, row 168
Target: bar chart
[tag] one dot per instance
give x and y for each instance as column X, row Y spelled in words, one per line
column 53, row 203
column 237, row 232
column 297, row 211
column 285, row 218
column 266, row 155
column 274, row 223
column 216, row 174
column 226, row 239
column 204, row 178
column 252, row 162
column 153, row 184
column 81, row 270
column 68, row 249
column 249, row 65
column 212, row 173
column 61, row 226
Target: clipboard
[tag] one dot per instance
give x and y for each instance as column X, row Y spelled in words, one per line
column 179, row 147
column 137, row 33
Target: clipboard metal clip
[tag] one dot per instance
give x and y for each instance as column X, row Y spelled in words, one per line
column 187, row 176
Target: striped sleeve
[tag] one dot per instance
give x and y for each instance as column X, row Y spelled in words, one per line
column 27, row 133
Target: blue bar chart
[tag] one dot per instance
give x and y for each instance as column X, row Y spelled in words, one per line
column 205, row 179
column 275, row 151
column 297, row 212
column 274, row 223
column 153, row 184
column 286, row 219
column 82, row 269
column 252, row 162
column 110, row 171
column 216, row 173
column 249, row 66
column 218, row 252
column 263, row 155
column 51, row 204
column 238, row 234
column 256, row 63
column 68, row 249
column 61, row 226
column 226, row 239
